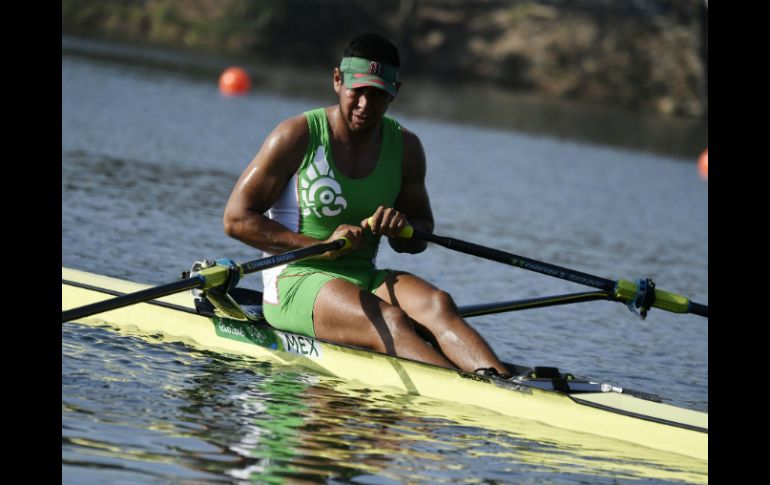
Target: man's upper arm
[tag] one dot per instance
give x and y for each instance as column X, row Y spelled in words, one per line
column 278, row 159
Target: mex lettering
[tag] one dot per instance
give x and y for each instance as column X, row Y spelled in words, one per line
column 301, row 345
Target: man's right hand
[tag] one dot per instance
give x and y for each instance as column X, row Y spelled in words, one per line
column 354, row 234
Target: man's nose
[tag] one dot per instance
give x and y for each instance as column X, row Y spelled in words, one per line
column 363, row 99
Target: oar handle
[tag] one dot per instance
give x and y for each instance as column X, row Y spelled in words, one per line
column 406, row 232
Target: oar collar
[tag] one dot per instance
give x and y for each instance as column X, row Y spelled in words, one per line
column 645, row 298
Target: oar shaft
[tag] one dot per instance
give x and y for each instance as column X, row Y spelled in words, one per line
column 131, row 298
column 529, row 303
column 206, row 278
column 620, row 290
column 699, row 309
column 518, row 261
column 296, row 255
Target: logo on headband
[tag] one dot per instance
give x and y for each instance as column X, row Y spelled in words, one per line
column 375, row 68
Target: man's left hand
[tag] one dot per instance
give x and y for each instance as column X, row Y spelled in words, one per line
column 386, row 221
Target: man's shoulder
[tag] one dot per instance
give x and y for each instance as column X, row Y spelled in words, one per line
column 291, row 130
column 410, row 140
column 293, row 124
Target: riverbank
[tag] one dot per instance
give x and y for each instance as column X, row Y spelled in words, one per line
column 650, row 60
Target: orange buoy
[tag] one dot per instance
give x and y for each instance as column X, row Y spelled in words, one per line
column 234, row 81
column 703, row 164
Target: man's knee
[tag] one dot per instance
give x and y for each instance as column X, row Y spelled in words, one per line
column 441, row 304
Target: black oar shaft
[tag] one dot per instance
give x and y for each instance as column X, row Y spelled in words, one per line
column 296, row 255
column 209, row 277
column 131, row 298
column 529, row 303
column 699, row 309
column 518, row 261
column 620, row 290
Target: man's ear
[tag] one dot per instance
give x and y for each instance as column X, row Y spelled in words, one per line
column 338, row 80
column 393, row 97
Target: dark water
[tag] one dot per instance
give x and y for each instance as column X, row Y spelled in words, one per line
column 149, row 156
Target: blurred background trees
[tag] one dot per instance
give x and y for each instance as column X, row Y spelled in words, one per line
column 649, row 56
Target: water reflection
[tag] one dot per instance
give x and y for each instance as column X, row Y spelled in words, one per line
column 300, row 426
column 185, row 414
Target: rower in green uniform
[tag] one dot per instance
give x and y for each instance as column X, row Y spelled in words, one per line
column 350, row 171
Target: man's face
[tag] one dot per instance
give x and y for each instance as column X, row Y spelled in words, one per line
column 362, row 108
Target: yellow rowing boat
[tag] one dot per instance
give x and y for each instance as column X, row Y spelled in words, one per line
column 555, row 406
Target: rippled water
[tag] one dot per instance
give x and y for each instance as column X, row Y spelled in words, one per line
column 137, row 412
column 149, row 157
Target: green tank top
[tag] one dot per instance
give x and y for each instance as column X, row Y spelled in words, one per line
column 328, row 198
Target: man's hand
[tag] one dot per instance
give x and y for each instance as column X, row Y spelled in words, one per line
column 385, row 221
column 354, row 234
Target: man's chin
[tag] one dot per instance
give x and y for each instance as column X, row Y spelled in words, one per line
column 362, row 124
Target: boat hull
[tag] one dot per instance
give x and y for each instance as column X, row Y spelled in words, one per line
column 628, row 421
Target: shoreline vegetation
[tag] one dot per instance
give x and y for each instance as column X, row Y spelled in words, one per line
column 647, row 56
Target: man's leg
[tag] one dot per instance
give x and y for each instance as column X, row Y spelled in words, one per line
column 347, row 314
column 435, row 311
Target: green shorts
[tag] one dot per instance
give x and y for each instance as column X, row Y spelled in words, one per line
column 298, row 287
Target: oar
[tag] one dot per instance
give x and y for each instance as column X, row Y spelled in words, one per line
column 528, row 303
column 642, row 294
column 210, row 277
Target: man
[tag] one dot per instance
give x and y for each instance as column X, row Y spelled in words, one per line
column 350, row 171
